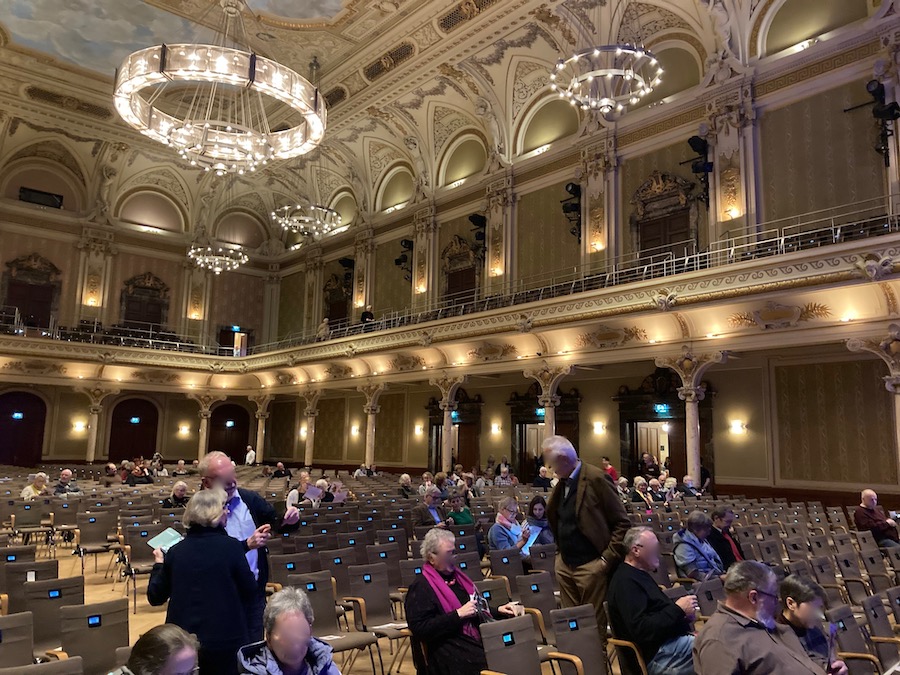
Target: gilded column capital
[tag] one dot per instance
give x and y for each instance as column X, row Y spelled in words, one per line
column 205, row 401
column 549, row 379
column 448, row 384
column 690, row 368
column 887, row 349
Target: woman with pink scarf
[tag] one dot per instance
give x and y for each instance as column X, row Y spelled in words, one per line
column 443, row 614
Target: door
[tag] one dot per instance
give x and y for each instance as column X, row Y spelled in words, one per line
column 461, row 284
column 229, row 431
column 666, row 234
column 133, row 429
column 23, row 417
column 33, row 300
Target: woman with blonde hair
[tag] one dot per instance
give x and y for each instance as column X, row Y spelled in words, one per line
column 178, row 498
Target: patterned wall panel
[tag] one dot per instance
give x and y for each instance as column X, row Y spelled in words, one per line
column 356, row 445
column 238, row 299
column 282, row 431
column 290, row 305
column 449, row 228
column 801, row 172
column 329, row 442
column 390, row 428
column 835, row 423
column 62, row 254
column 540, row 220
column 392, row 290
column 127, row 265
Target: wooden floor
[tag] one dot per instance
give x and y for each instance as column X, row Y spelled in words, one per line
column 98, row 589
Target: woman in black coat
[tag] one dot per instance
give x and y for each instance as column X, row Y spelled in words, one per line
column 208, row 584
column 442, row 615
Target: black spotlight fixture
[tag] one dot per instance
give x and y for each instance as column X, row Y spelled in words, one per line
column 571, row 208
column 403, row 261
column 479, row 228
column 884, row 113
column 700, row 165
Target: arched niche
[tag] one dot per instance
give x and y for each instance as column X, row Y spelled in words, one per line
column 229, row 430
column 397, row 187
column 682, row 69
column 345, row 204
column 548, row 121
column 799, row 20
column 46, row 176
column 152, row 209
column 241, row 229
column 23, row 420
column 133, row 429
column 33, row 284
column 465, row 156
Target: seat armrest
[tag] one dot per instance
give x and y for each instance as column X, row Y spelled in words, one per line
column 538, row 618
column 4, row 604
column 886, row 640
column 490, row 672
column 57, row 654
column 359, row 611
column 569, row 658
column 856, row 656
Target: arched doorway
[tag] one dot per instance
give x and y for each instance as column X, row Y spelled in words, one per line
column 466, row 439
column 133, row 430
column 527, row 424
column 23, row 417
column 229, row 431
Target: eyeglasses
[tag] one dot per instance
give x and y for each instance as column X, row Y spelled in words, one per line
column 761, row 592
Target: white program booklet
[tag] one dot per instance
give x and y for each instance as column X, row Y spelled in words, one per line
column 165, row 539
column 533, row 534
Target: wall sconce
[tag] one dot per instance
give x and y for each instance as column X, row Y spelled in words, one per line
column 419, row 430
column 354, row 430
column 597, row 246
column 733, row 212
column 302, row 432
column 664, row 427
column 195, row 316
column 184, row 430
column 79, row 426
column 92, row 301
column 421, row 288
column 738, row 427
column 496, row 271
column 495, row 428
column 599, row 428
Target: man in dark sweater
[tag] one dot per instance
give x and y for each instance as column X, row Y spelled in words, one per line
column 869, row 517
column 722, row 539
column 641, row 613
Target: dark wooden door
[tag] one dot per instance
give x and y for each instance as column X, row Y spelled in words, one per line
column 23, row 417
column 143, row 306
column 229, row 431
column 33, row 300
column 133, row 430
column 677, row 449
column 336, row 310
column 461, row 284
column 666, row 234
column 468, row 437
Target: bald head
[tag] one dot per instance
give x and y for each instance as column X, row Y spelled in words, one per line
column 868, row 499
column 560, row 455
column 217, row 470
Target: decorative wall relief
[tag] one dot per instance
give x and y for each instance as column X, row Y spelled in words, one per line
column 404, row 362
column 35, row 367
column 338, row 372
column 154, row 376
column 605, row 337
column 874, row 267
column 491, row 352
column 775, row 315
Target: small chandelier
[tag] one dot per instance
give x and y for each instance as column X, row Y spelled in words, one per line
column 220, row 106
column 608, row 78
column 216, row 258
column 307, row 219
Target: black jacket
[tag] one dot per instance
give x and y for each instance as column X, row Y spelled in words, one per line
column 263, row 513
column 717, row 541
column 209, row 587
column 641, row 613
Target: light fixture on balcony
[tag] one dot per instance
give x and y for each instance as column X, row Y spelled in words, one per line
column 608, row 77
column 220, row 105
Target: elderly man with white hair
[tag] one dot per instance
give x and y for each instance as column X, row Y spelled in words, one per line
column 251, row 519
column 589, row 522
column 431, row 511
column 66, row 485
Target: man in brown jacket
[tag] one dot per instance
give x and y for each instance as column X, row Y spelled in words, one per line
column 589, row 523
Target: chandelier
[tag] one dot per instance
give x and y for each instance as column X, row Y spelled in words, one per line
column 215, row 258
column 221, row 106
column 307, row 219
column 608, row 78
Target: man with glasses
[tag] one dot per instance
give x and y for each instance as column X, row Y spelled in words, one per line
column 251, row 518
column 589, row 523
column 641, row 613
column 742, row 637
column 431, row 512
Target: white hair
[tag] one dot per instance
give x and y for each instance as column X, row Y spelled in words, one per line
column 41, row 474
column 433, row 538
column 290, row 600
column 561, row 446
column 208, row 458
column 640, row 480
column 204, row 508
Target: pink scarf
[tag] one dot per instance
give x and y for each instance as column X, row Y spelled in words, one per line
column 447, row 598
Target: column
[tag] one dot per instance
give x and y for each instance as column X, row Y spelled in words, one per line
column 499, row 255
column 311, row 398
column 96, row 250
column 271, row 304
column 549, row 379
column 372, row 392
column 96, row 395
column 262, row 414
column 425, row 287
column 195, row 302
column 448, row 386
column 312, row 296
column 598, row 164
column 205, row 402
column 888, row 350
column 690, row 368
column 362, row 271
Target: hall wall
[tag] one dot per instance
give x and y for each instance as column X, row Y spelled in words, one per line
column 543, row 241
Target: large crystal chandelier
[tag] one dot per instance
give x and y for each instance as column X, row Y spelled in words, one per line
column 215, row 257
column 607, row 78
column 307, row 219
column 221, row 106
